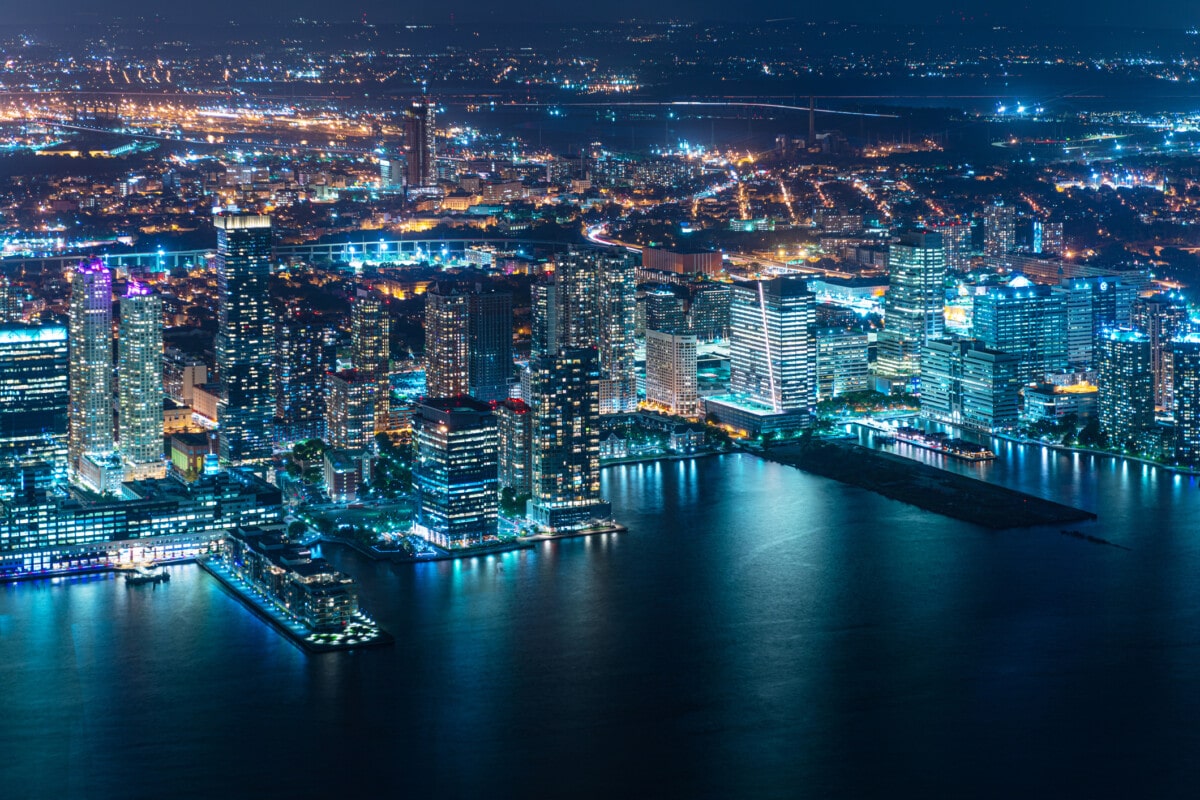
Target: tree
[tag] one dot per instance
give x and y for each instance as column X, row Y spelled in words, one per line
column 296, row 529
column 1092, row 436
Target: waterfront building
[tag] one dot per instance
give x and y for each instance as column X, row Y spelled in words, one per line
column 914, row 305
column 456, row 471
column 842, row 364
column 350, row 409
column 1094, row 305
column 565, row 458
column 245, row 340
column 304, row 352
column 90, row 421
column 514, row 422
column 33, row 403
column 153, row 520
column 965, row 383
column 1126, row 382
column 1026, row 320
column 1163, row 319
column 345, row 472
column 420, row 145
column 490, row 334
column 671, row 381
column 1185, row 360
column 1048, row 402
column 140, row 383
column 370, row 339
column 772, row 353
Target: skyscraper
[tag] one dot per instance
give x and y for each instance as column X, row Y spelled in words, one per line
column 1027, row 320
column 456, row 470
column 370, row 330
column 565, row 459
column 420, row 145
column 350, row 409
column 245, row 338
column 1162, row 318
column 515, row 422
column 671, row 381
column 304, row 351
column 91, row 348
column 447, row 340
column 546, row 337
column 664, row 311
column 490, row 333
column 965, row 383
column 1000, row 232
column 772, row 353
column 842, row 362
column 1093, row 306
column 1126, row 383
column 914, row 309
column 33, row 402
column 140, row 383
column 1185, row 358
column 616, row 313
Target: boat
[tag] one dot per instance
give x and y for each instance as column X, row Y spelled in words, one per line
column 141, row 575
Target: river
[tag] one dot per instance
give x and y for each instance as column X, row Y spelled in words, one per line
column 758, row 632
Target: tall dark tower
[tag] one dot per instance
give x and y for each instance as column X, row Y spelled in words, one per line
column 419, row 145
column 246, row 337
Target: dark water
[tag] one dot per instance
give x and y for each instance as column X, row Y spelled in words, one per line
column 759, row 632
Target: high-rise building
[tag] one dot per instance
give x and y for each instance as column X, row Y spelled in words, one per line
column 671, row 381
column 772, row 353
column 1094, row 305
column 956, row 241
column 420, row 145
column 490, row 333
column 545, row 336
column 1047, row 238
column 304, row 352
column 515, row 422
column 1000, row 232
column 1126, row 382
column 1162, row 318
column 1185, row 359
column 1026, row 320
column 565, row 458
column 33, row 403
column 91, row 347
column 456, row 470
column 140, row 383
column 664, row 311
column 370, row 337
column 914, row 308
column 965, row 383
column 708, row 310
column 577, row 295
column 447, row 340
column 182, row 374
column 245, row 337
column 350, row 409
column 842, row 365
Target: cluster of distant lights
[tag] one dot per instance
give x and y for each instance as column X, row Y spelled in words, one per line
column 1019, row 110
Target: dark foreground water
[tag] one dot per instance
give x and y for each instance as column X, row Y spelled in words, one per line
column 759, row 632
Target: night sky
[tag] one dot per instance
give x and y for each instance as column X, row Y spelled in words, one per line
column 1151, row 13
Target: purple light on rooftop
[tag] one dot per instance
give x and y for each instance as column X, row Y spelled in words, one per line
column 92, row 265
column 137, row 289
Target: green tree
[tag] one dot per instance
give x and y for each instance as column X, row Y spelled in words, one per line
column 296, row 529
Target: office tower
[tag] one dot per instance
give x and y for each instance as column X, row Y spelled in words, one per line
column 245, row 340
column 140, row 383
column 1126, row 401
column 565, row 459
column 1026, row 320
column 447, row 340
column 304, row 352
column 664, row 311
column 1094, row 305
column 842, row 365
column 545, row 336
column 350, row 409
column 1000, row 232
column 420, row 145
column 1185, row 358
column 370, row 332
column 490, row 333
column 1162, row 318
column 391, row 174
column 965, row 383
column 671, row 382
column 33, row 402
column 455, row 471
column 915, row 304
column 515, row 423
column 708, row 310
column 90, row 324
column 618, row 307
column 772, row 355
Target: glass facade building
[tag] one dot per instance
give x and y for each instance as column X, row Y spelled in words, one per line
column 914, row 308
column 1026, row 320
column 1125, row 404
column 456, row 470
column 33, row 403
column 772, row 350
column 140, row 383
column 90, row 420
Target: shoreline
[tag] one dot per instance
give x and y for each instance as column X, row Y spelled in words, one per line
column 522, row 543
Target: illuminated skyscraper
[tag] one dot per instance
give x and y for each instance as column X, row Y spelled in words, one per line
column 914, row 308
column 514, row 421
column 420, row 145
column 490, row 330
column 455, row 472
column 304, row 351
column 140, row 383
column 565, row 458
column 1126, row 382
column 447, row 340
column 999, row 232
column 546, row 335
column 671, row 381
column 370, row 331
column 350, row 409
column 965, row 383
column 772, row 352
column 1162, row 319
column 91, row 409
column 1026, row 320
column 1185, row 358
column 246, row 337
column 33, row 402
